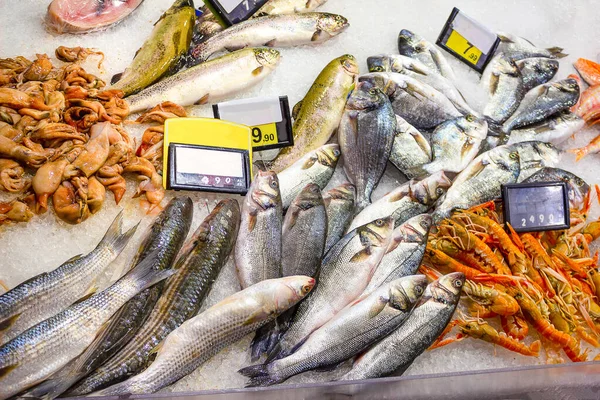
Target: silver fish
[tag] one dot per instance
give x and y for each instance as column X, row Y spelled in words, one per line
column 198, row 339
column 554, row 130
column 543, row 101
column 414, row 46
column 339, row 204
column 534, row 156
column 536, row 71
column 518, row 48
column 408, row 200
column 277, row 7
column 410, row 150
column 480, row 181
column 351, row 331
column 418, row 103
column 45, row 295
column 579, row 190
column 395, row 353
column 455, row 144
column 316, row 167
column 258, row 247
column 46, row 347
column 345, row 272
column 505, row 87
column 366, row 135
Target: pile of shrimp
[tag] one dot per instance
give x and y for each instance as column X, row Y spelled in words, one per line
column 547, row 281
column 588, row 106
column 61, row 139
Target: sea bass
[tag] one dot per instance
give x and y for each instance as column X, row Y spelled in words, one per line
column 339, row 204
column 318, row 115
column 203, row 336
column 536, row 71
column 410, row 150
column 414, row 46
column 366, row 135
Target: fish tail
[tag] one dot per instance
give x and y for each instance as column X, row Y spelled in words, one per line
column 144, row 274
column 113, row 238
column 259, row 375
column 557, row 52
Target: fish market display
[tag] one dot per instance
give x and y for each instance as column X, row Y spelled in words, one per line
column 410, row 150
column 339, row 204
column 395, row 353
column 46, row 347
column 272, row 31
column 579, row 190
column 316, row 167
column 46, row 294
column 408, row 200
column 211, row 81
column 67, row 16
column 414, row 46
column 366, row 134
column 196, row 269
column 318, row 114
column 555, row 129
column 348, row 265
column 351, row 331
column 198, row 339
column 162, row 52
column 278, row 7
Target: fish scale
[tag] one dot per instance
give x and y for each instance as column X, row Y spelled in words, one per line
column 339, row 204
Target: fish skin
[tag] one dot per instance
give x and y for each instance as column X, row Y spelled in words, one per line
column 480, row 181
column 279, row 7
column 534, row 156
column 537, row 71
column 418, row 103
column 318, row 115
column 199, row 264
column 161, row 53
column 410, row 150
column 352, row 330
column 406, row 201
column 46, row 294
column 555, row 129
column 517, row 48
column 316, row 166
column 431, row 315
column 46, row 347
column 258, row 248
column 404, row 254
column 210, row 81
column 271, row 31
column 543, row 101
column 199, row 338
column 349, row 265
column 366, row 135
column 506, row 89
column 339, row 204
column 415, row 46
column 578, row 188
column 455, row 144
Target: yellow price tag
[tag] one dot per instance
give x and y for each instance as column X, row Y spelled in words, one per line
column 462, row 47
column 264, row 135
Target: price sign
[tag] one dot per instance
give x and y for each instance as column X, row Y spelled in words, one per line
column 231, row 12
column 468, row 40
column 530, row 207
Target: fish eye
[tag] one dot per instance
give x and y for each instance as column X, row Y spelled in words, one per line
column 439, row 191
column 274, row 184
column 547, row 144
column 418, row 289
column 457, row 283
column 470, row 118
column 338, row 17
column 347, row 64
column 372, row 91
column 379, row 223
column 305, row 289
column 419, row 48
column 513, row 155
column 377, row 68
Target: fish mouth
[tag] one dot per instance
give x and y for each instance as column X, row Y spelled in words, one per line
column 328, row 157
column 267, row 57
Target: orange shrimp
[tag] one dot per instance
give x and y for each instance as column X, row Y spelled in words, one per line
column 479, row 310
column 440, row 259
column 593, row 146
column 586, row 336
column 494, row 299
column 515, row 326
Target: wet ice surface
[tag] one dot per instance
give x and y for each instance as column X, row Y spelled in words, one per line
column 45, row 242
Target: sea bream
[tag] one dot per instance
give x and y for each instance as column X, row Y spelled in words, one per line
column 414, row 46
column 339, row 204
column 410, row 150
column 555, row 129
column 518, row 48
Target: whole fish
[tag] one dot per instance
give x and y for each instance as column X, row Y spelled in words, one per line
column 209, row 81
column 258, row 248
column 455, row 144
column 406, row 201
column 480, row 181
column 162, row 52
column 345, row 272
column 414, row 46
column 200, row 262
column 432, row 313
column 410, row 150
column 45, row 295
column 555, row 129
column 351, row 331
column 198, row 339
column 404, row 254
column 339, row 204
column 534, row 156
column 505, row 87
column 46, row 347
column 279, row 7
column 417, row 70
column 271, row 31
column 578, row 189
column 543, row 101
column 418, row 103
column 536, row 71
column 316, row 167
column 518, row 48
column 318, row 115
column 366, row 135
column 589, row 71
column 164, row 239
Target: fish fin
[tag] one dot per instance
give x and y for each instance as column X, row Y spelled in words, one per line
column 260, row 342
column 258, row 70
column 91, row 291
column 271, row 43
column 8, row 322
column 353, row 121
column 153, row 353
column 317, row 35
column 494, row 80
column 234, row 48
column 414, row 91
column 309, row 163
column 74, row 258
column 293, row 218
column 251, row 221
column 143, row 275
column 255, row 370
column 260, row 165
column 504, row 38
column 329, row 367
column 6, row 370
column 378, row 307
column 361, row 255
column 256, row 316
column 400, row 194
column 113, row 236
column 557, row 52
column 202, row 100
column 296, row 109
column 116, row 78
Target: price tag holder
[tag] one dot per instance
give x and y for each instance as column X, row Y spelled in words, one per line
column 268, row 118
column 533, row 207
column 468, row 40
column 230, row 12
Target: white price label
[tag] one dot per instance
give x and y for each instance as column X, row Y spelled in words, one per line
column 252, row 112
column 477, row 34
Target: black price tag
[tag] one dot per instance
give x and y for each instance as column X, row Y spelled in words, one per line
column 468, row 40
column 208, row 169
column 531, row 207
column 231, row 12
